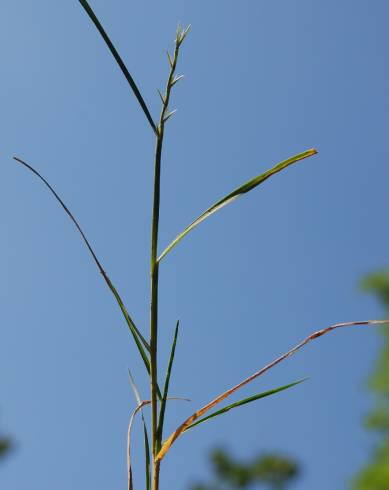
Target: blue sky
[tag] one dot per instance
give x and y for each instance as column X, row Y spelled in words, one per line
column 263, row 81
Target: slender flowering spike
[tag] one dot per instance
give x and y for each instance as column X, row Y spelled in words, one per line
column 161, row 97
column 176, row 79
column 185, row 33
column 181, row 33
column 170, row 59
column 168, row 116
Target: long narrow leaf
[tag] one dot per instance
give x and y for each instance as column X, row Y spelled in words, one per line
column 140, row 341
column 199, row 413
column 243, row 189
column 119, row 61
column 147, row 455
column 244, row 402
column 166, row 386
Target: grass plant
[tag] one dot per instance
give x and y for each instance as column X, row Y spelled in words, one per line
column 155, row 446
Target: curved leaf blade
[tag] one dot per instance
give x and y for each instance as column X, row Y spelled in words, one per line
column 235, row 194
column 250, row 399
column 140, row 341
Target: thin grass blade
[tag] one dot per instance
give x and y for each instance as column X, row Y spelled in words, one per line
column 140, row 341
column 166, row 385
column 232, row 196
column 244, row 402
column 147, row 455
column 88, row 9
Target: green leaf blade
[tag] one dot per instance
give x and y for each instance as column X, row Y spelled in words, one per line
column 235, row 194
column 140, row 341
column 147, row 455
column 166, row 385
column 88, row 9
column 245, row 401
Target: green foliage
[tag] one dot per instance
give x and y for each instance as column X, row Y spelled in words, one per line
column 272, row 471
column 375, row 475
column 5, row 446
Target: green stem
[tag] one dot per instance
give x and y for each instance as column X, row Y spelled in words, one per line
column 154, row 264
column 154, row 271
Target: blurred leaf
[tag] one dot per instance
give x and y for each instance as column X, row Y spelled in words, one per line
column 5, row 446
column 274, row 470
column 375, row 473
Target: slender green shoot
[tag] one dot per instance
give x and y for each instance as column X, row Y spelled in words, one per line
column 154, row 265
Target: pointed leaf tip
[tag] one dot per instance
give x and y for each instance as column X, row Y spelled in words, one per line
column 235, row 194
column 245, row 401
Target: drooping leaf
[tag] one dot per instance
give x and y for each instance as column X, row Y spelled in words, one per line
column 129, row 462
column 244, row 402
column 119, row 61
column 140, row 341
column 232, row 196
column 145, row 439
column 167, row 382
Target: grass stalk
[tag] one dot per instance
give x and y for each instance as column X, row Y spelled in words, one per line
column 154, row 264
